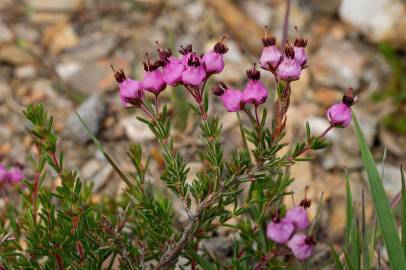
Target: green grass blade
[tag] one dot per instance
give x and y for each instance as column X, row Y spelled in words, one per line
column 349, row 212
column 403, row 210
column 339, row 265
column 381, row 204
column 366, row 263
column 99, row 146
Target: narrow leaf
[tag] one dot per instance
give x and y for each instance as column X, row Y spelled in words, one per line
column 105, row 154
column 381, row 204
column 403, row 210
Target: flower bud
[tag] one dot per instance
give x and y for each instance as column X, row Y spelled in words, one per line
column 213, row 60
column 339, row 115
column 302, row 246
column 232, row 99
column 219, row 89
column 153, row 78
column 130, row 91
column 186, row 52
column 255, row 91
column 280, row 230
column 15, row 175
column 172, row 67
column 271, row 57
column 300, row 54
column 289, row 69
column 298, row 216
column 194, row 73
column 172, row 71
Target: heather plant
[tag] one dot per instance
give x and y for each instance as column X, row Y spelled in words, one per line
column 60, row 227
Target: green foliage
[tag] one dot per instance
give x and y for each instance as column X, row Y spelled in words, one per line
column 360, row 237
column 59, row 226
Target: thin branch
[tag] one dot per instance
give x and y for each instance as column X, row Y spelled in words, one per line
column 172, row 254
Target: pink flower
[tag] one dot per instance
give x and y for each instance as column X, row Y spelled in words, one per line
column 289, row 69
column 153, row 78
column 280, row 230
column 130, row 91
column 186, row 52
column 232, row 98
column 194, row 73
column 302, row 246
column 271, row 57
column 213, row 60
column 339, row 115
column 300, row 54
column 15, row 175
column 172, row 71
column 255, row 91
column 298, row 216
column 172, row 67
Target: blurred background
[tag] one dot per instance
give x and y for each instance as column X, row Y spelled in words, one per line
column 58, row 52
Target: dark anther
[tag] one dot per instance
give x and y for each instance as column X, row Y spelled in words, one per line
column 253, row 73
column 268, row 40
column 185, row 49
column 221, row 46
column 118, row 74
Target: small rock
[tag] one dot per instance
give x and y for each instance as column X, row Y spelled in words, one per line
column 92, row 111
column 259, row 12
column 327, row 96
column 59, row 37
column 25, row 72
column 221, row 246
column 91, row 77
column 379, row 20
column 15, row 55
column 100, row 179
column 5, row 33
column 45, row 11
column 391, row 178
column 67, row 69
column 338, row 64
column 329, row 7
column 396, row 144
column 92, row 47
column 90, row 168
column 135, row 130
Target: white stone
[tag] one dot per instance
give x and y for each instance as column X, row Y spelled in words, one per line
column 375, row 18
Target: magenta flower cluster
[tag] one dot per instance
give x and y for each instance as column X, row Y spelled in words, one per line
column 286, row 67
column 289, row 230
column 11, row 176
column 189, row 70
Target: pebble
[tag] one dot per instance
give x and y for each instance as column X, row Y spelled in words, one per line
column 135, row 130
column 379, row 20
column 25, row 72
column 5, row 33
column 45, row 11
column 59, row 37
column 91, row 47
column 261, row 13
column 15, row 55
column 391, row 178
column 338, row 64
column 92, row 111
